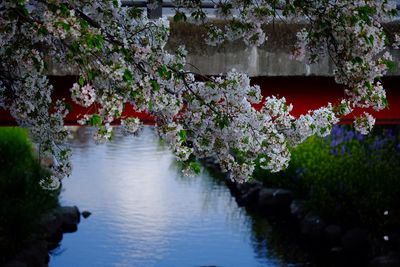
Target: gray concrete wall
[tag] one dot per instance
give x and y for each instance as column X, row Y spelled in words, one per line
column 271, row 59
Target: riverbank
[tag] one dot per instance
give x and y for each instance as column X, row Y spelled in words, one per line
column 22, row 199
column 52, row 226
column 328, row 243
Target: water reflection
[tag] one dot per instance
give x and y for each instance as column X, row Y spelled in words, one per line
column 144, row 213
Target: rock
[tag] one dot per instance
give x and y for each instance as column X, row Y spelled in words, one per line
column 356, row 247
column 298, row 209
column 356, row 241
column 249, row 198
column 51, row 227
column 246, row 187
column 336, row 257
column 394, row 239
column 312, row 226
column 275, row 198
column 385, row 261
column 70, row 217
column 336, row 252
column 53, row 245
column 69, row 228
column 230, row 184
column 241, row 188
column 15, row 263
column 55, row 238
column 86, row 214
column 333, row 234
column 35, row 253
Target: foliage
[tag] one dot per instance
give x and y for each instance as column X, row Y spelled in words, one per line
column 22, row 199
column 118, row 54
column 347, row 177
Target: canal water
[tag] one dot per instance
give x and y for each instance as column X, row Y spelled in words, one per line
column 145, row 213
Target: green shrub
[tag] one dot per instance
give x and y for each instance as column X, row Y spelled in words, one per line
column 22, row 199
column 347, row 178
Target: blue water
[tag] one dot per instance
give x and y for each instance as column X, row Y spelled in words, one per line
column 145, row 213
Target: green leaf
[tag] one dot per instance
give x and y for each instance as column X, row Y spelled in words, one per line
column 74, row 47
column 393, row 12
column 164, row 72
column 183, row 135
column 179, row 16
column 225, row 8
column 357, row 60
column 154, row 84
column 222, row 121
column 63, row 24
column 369, row 86
column 81, row 81
column 135, row 12
column 195, row 167
column 210, row 84
column 391, row 65
column 21, row 8
column 84, row 24
column 198, row 14
column 150, row 105
column 127, row 77
column 91, row 74
column 42, row 31
column 68, row 106
column 95, row 41
column 95, row 120
column 36, row 63
column 64, row 11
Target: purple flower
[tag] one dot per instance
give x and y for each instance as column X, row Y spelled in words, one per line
column 378, row 144
column 359, row 137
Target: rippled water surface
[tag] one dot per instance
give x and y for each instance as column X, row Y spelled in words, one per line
column 144, row 213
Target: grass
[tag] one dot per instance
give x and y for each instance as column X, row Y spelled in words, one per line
column 22, row 199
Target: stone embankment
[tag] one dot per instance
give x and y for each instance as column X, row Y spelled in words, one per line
column 52, row 227
column 344, row 245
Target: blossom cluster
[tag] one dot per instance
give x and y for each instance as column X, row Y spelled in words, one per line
column 84, row 96
column 349, row 32
column 131, row 125
column 352, row 35
column 120, row 57
column 396, row 43
column 364, row 123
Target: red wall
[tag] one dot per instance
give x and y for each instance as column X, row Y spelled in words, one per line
column 304, row 93
column 307, row 93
